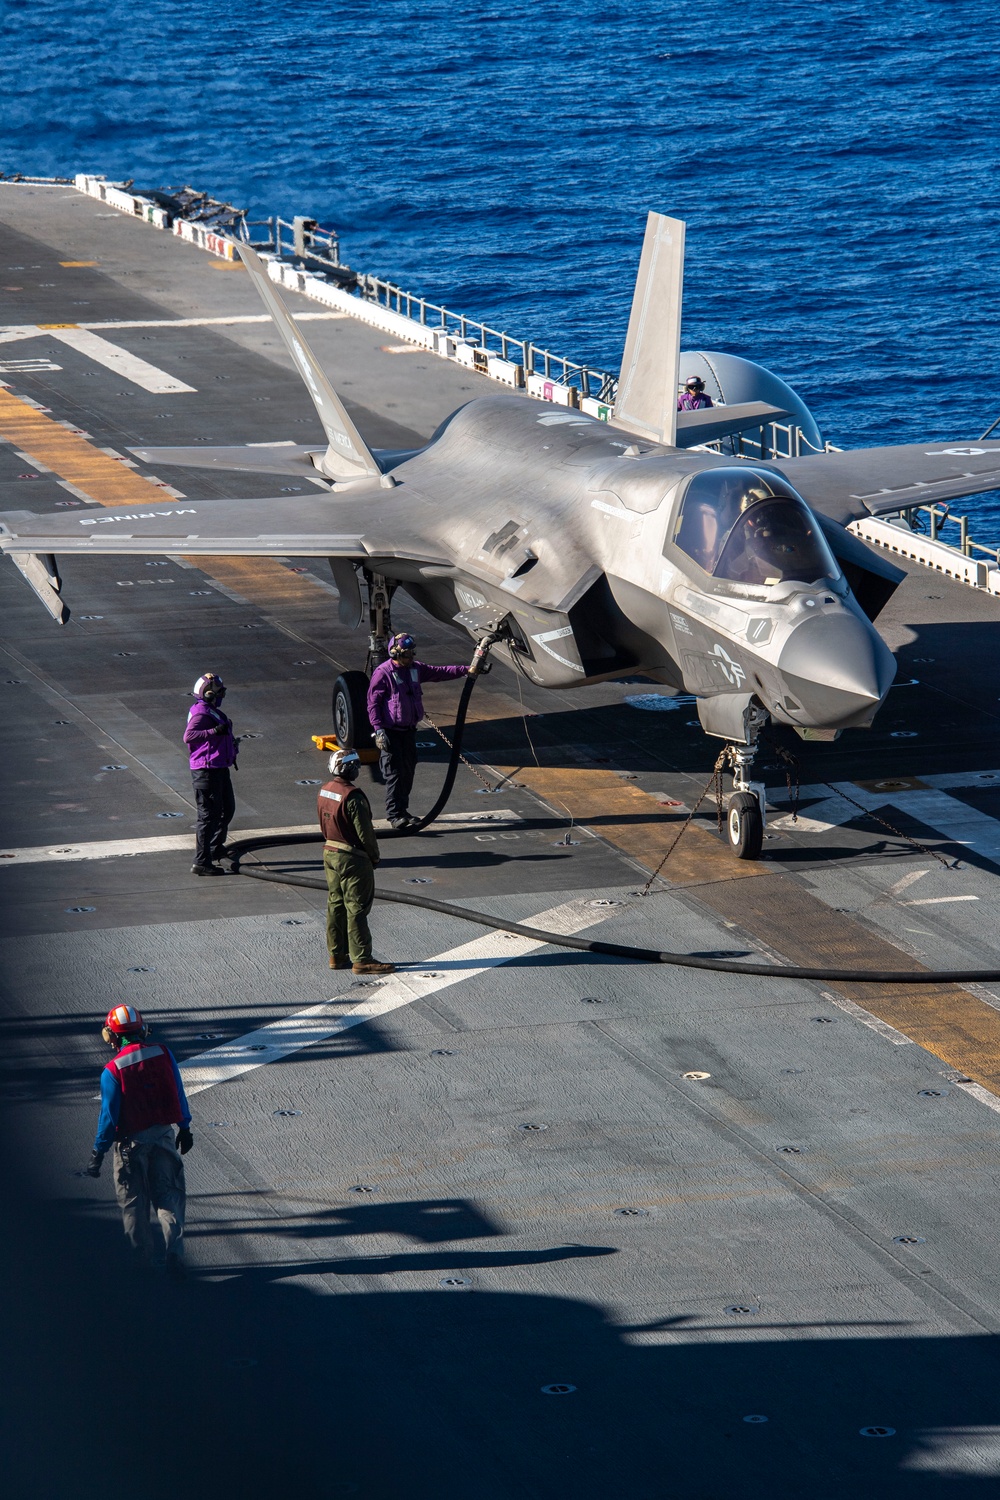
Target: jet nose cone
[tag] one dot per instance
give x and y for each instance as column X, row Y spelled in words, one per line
column 837, row 670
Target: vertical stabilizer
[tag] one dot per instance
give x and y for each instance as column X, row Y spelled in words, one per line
column 348, row 456
column 646, row 403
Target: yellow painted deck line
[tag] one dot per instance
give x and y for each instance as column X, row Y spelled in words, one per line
column 636, row 824
column 951, row 1023
column 107, row 480
column 266, row 583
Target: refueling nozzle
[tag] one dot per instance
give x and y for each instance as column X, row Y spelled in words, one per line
column 480, row 663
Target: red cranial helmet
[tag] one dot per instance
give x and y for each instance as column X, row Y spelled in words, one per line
column 124, row 1024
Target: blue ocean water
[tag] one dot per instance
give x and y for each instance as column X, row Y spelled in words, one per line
column 837, row 166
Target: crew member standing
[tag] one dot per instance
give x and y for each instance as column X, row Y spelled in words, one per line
column 213, row 748
column 142, row 1100
column 395, row 708
column 693, row 397
column 350, row 857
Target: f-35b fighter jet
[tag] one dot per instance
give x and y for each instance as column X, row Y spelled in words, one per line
column 586, row 550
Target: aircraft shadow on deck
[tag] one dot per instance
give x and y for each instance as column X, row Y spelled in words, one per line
column 259, row 1387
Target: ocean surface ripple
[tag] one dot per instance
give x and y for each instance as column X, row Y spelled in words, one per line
column 836, row 165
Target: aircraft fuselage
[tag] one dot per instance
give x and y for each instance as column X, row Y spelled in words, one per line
column 591, row 549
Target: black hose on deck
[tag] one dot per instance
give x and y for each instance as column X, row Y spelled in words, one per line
column 239, row 847
column 608, row 950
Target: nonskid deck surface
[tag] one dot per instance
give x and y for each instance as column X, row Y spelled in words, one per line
column 406, row 1201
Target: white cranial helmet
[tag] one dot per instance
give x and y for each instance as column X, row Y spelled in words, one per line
column 345, row 763
column 210, row 688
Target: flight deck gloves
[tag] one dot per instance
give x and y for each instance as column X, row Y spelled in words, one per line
column 381, row 740
column 94, row 1168
column 184, row 1141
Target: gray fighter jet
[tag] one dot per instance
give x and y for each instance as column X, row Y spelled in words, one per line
column 587, row 550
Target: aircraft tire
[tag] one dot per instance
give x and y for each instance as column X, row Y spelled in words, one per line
column 350, row 711
column 745, row 826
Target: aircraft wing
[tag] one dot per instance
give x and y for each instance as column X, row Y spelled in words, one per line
column 280, row 527
column 874, row 481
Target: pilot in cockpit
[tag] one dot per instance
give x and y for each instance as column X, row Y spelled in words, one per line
column 773, row 542
column 748, row 529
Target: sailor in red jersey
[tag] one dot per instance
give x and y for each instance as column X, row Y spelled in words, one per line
column 142, row 1099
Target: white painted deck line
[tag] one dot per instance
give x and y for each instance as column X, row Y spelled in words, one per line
column 124, row 848
column 307, row 317
column 906, row 881
column 954, row 819
column 808, row 822
column 938, row 900
column 946, row 781
column 866, row 1018
column 981, row 1095
column 11, row 332
column 317, row 1023
column 948, row 816
column 899, row 1039
column 129, row 366
column 457, row 821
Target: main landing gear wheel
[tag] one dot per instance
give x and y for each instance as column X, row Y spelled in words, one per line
column 745, row 825
column 350, row 711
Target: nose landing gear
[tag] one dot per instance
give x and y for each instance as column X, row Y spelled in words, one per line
column 745, row 825
column 746, row 815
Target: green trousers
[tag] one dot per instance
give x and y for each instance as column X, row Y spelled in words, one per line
column 350, row 880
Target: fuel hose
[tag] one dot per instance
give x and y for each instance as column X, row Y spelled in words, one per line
column 239, row 848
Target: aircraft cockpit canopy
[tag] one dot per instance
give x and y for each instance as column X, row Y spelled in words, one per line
column 751, row 527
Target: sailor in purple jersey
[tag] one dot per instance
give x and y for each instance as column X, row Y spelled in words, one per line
column 395, row 708
column 213, row 749
column 693, row 397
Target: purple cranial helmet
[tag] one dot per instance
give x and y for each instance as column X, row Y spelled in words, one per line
column 402, row 645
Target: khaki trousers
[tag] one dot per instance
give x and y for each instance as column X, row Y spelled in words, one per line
column 350, row 881
column 149, row 1177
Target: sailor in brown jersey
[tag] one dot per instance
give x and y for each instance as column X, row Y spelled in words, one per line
column 350, row 856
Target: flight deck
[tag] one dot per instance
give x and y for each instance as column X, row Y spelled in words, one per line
column 515, row 1222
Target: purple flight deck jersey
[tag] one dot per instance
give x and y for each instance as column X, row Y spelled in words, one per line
column 394, row 697
column 209, row 738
